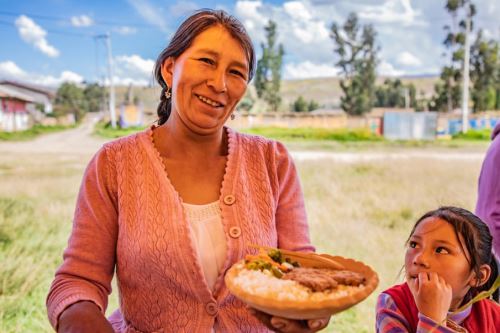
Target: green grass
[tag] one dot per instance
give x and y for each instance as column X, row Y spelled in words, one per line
column 358, row 209
column 106, row 131
column 474, row 135
column 32, row 133
column 315, row 134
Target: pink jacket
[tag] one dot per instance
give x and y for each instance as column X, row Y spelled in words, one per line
column 129, row 218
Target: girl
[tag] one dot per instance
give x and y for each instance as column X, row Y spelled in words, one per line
column 448, row 261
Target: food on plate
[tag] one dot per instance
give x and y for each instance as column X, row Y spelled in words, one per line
column 300, row 285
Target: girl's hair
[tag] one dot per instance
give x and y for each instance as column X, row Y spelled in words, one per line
column 183, row 38
column 475, row 237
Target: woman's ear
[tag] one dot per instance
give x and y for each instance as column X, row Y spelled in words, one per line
column 484, row 275
column 167, row 68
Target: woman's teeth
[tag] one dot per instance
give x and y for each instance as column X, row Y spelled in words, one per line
column 209, row 101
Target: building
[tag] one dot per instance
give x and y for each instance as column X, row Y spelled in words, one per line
column 41, row 96
column 14, row 110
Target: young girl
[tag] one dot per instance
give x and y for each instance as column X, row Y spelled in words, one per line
column 448, row 261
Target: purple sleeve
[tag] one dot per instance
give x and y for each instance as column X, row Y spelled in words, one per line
column 389, row 319
column 488, row 201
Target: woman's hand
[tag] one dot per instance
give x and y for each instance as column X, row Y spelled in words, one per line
column 83, row 317
column 432, row 295
column 284, row 325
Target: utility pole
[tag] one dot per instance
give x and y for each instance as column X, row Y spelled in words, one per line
column 465, row 90
column 112, row 110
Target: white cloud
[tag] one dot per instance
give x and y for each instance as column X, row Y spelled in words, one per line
column 125, row 30
column 308, row 69
column 297, row 10
column 407, row 59
column 82, row 21
column 387, row 69
column 133, row 69
column 248, row 12
column 392, row 11
column 10, row 70
column 150, row 13
column 33, row 34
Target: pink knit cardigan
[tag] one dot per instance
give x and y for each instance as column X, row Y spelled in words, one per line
column 130, row 218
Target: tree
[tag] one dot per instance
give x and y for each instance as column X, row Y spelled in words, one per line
column 448, row 91
column 70, row 100
column 313, row 105
column 300, row 104
column 392, row 94
column 268, row 74
column 356, row 49
column 484, row 73
column 94, row 96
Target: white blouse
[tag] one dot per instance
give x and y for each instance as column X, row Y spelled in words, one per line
column 210, row 240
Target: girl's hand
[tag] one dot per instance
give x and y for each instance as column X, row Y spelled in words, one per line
column 432, row 295
column 83, row 317
column 284, row 325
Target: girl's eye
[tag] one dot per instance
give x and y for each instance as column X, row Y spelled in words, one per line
column 442, row 250
column 207, row 60
column 412, row 244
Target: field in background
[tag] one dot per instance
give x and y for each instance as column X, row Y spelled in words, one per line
column 359, row 209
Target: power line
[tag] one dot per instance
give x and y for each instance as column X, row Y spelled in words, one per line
column 66, row 19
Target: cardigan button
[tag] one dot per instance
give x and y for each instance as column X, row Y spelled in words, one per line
column 211, row 308
column 229, row 199
column 235, row 232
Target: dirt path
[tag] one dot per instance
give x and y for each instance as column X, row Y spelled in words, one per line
column 78, row 140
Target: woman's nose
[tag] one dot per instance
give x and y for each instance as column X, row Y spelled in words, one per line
column 218, row 82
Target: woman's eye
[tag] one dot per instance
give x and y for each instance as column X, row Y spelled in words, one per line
column 442, row 250
column 236, row 72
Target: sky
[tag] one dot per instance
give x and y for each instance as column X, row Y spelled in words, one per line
column 47, row 42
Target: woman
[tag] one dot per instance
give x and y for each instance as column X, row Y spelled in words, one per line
column 173, row 207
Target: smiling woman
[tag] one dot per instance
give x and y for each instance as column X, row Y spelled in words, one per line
column 172, row 208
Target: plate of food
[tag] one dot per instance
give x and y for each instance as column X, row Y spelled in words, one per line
column 300, row 285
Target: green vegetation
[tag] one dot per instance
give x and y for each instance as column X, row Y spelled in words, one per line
column 314, row 134
column 356, row 49
column 106, row 131
column 268, row 73
column 31, row 133
column 301, row 105
column 474, row 135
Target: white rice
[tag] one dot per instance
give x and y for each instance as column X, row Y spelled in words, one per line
column 265, row 284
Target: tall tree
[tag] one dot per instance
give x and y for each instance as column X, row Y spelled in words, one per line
column 268, row 74
column 448, row 91
column 357, row 52
column 484, row 73
column 70, row 100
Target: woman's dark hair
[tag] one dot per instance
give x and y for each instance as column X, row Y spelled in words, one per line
column 183, row 38
column 475, row 237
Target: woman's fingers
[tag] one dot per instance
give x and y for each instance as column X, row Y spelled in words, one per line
column 318, row 324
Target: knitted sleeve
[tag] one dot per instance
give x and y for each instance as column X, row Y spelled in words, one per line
column 291, row 219
column 89, row 260
column 390, row 319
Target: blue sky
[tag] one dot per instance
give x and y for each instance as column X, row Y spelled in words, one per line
column 50, row 41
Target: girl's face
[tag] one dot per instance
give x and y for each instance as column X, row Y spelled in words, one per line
column 434, row 247
column 208, row 79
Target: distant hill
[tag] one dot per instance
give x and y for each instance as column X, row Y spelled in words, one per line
column 325, row 91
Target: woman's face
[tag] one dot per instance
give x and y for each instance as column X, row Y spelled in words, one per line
column 208, row 80
column 434, row 247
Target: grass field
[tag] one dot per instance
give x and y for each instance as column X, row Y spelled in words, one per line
column 362, row 210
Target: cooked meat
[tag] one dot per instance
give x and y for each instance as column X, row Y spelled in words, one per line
column 321, row 279
column 348, row 278
column 312, row 278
